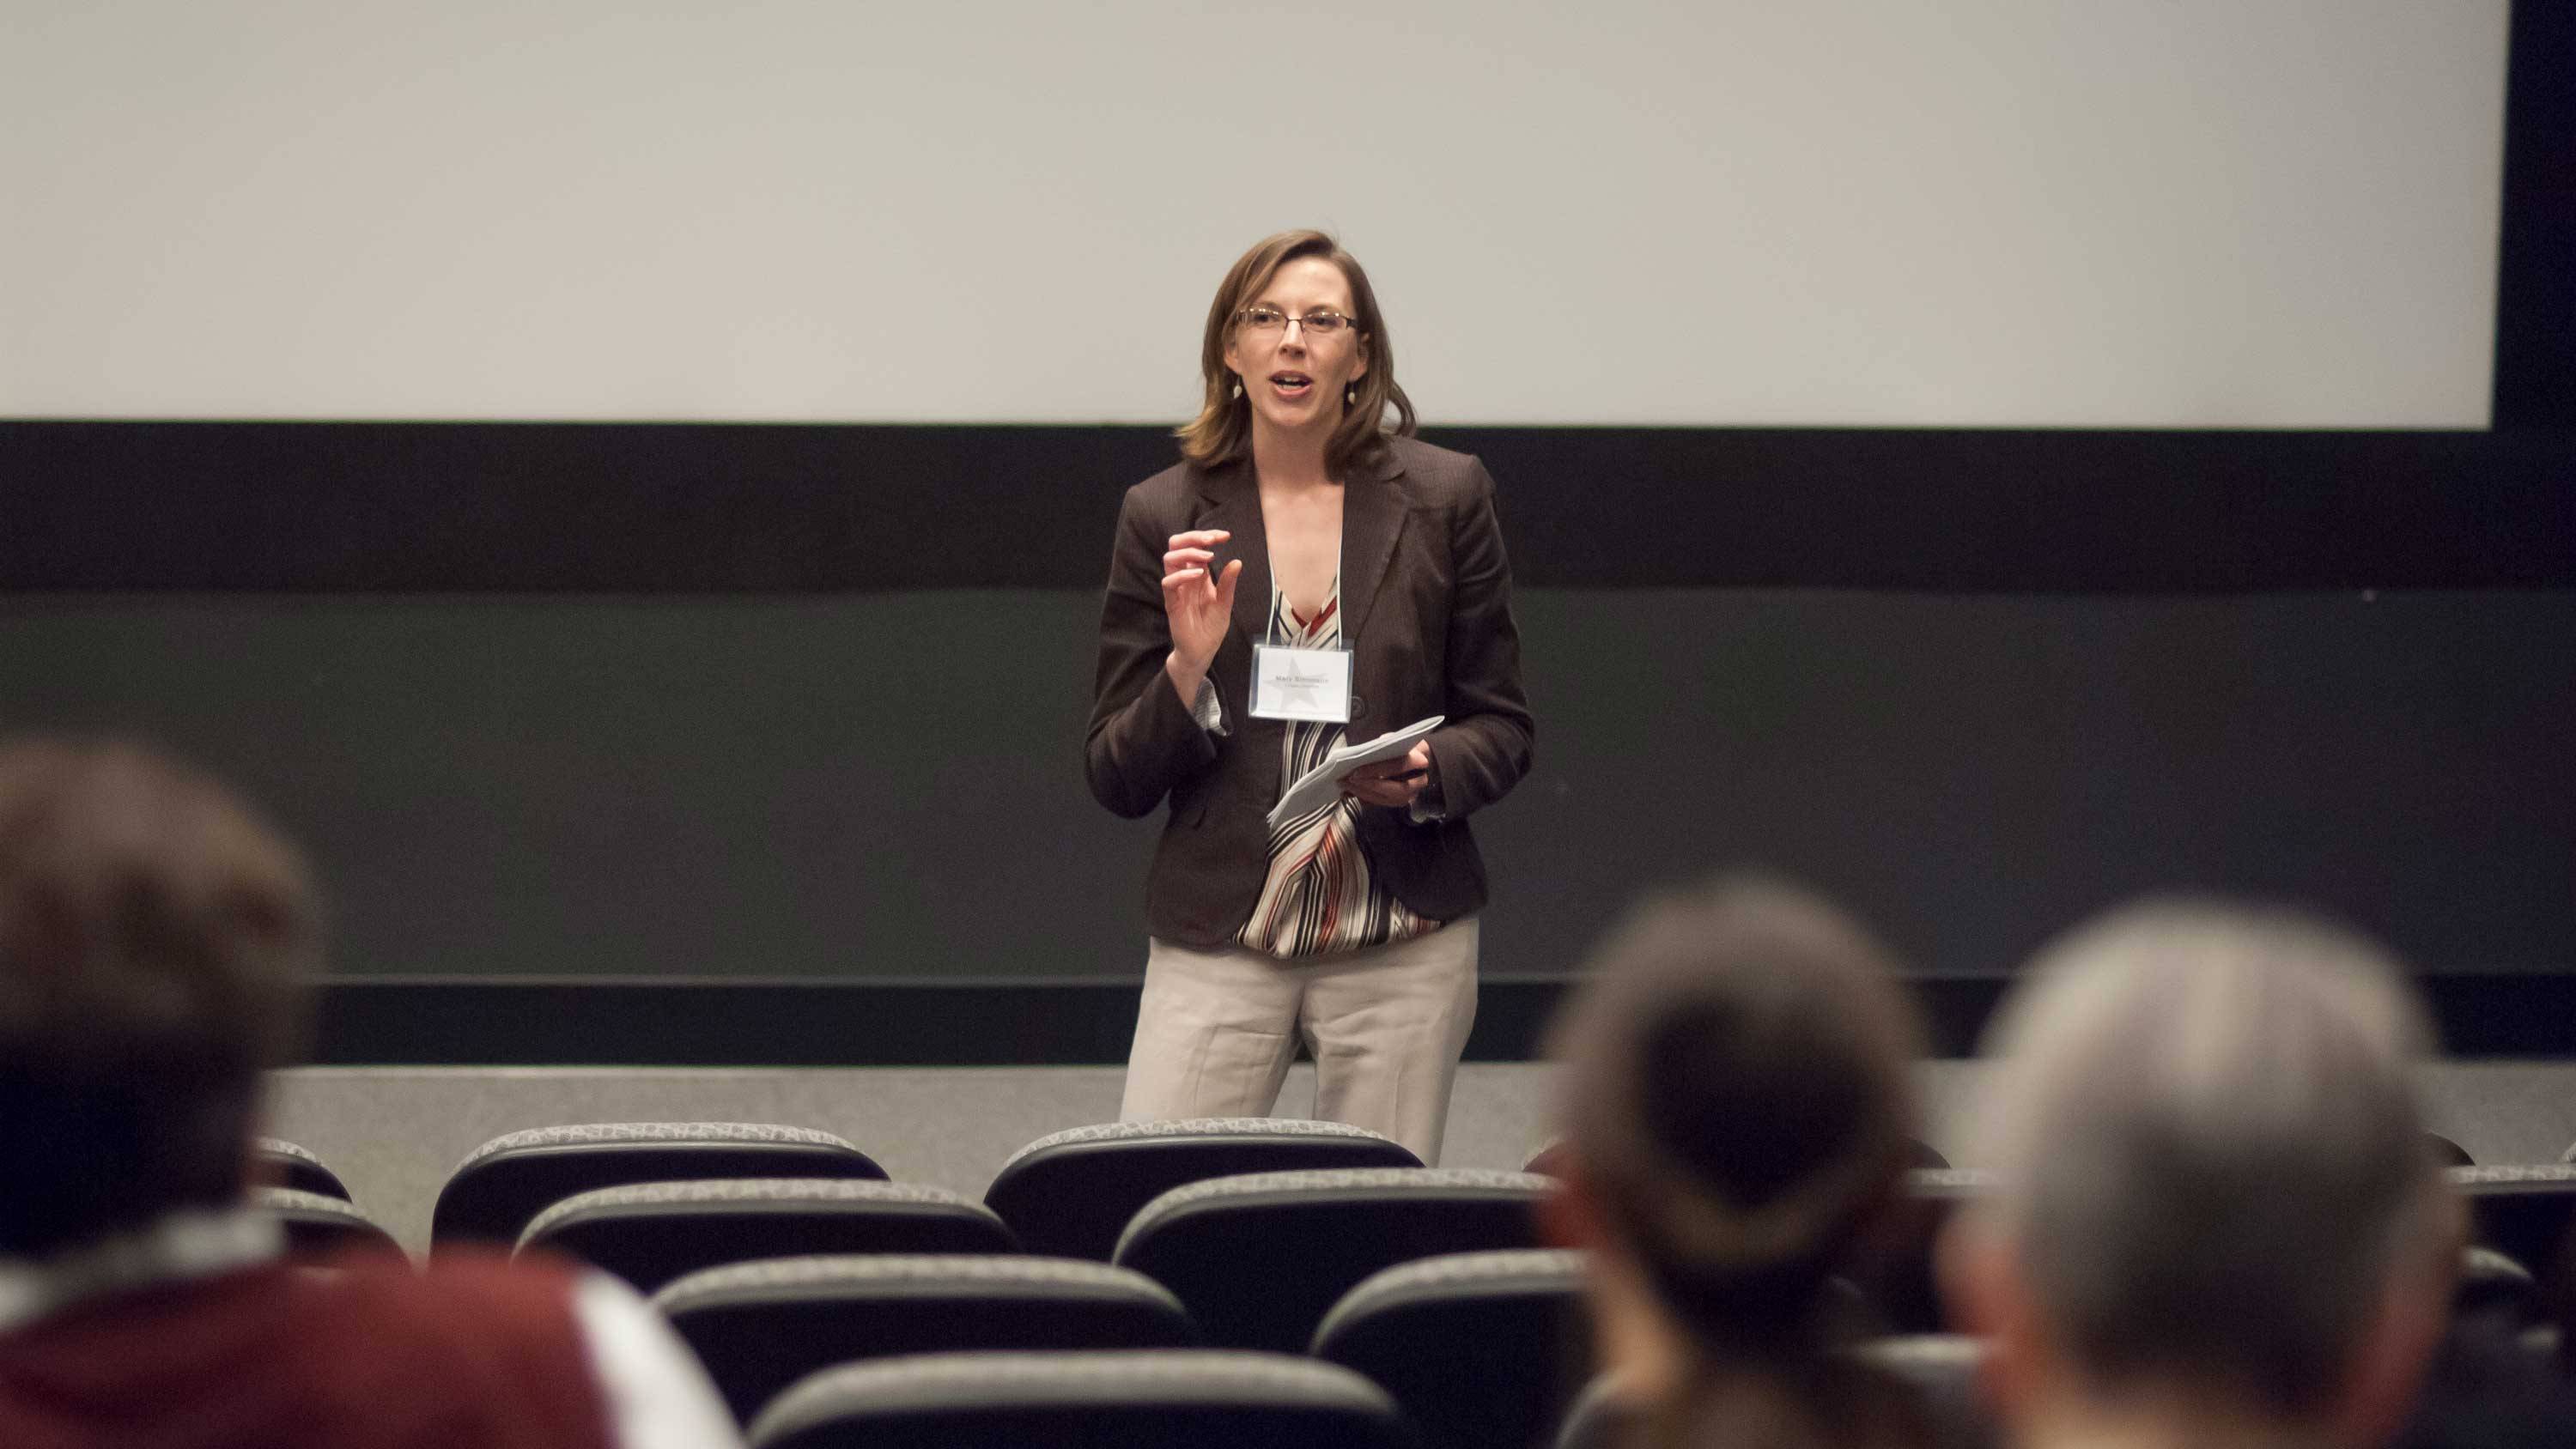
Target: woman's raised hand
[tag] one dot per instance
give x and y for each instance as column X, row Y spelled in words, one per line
column 1198, row 607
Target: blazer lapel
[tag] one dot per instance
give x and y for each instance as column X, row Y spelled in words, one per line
column 1372, row 517
column 1230, row 498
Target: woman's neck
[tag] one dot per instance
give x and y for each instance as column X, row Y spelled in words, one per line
column 1290, row 462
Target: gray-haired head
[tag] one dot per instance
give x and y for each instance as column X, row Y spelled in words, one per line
column 2211, row 1170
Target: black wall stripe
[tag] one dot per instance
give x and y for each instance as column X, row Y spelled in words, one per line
column 566, row 507
column 2535, row 357
column 483, row 1021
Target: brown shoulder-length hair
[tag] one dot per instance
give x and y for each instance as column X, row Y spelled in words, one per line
column 1222, row 432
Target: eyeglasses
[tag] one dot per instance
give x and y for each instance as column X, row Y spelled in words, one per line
column 1271, row 319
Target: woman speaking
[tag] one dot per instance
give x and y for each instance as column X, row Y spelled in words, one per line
column 1307, row 576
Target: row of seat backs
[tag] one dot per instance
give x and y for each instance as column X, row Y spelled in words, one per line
column 1068, row 1195
column 1073, row 1193
column 1478, row 1348
column 1169, row 1400
column 1482, row 1348
column 1258, row 1259
column 1151, row 1400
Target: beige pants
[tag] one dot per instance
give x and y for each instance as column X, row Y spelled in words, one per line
column 1216, row 1030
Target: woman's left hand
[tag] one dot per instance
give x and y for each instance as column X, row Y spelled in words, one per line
column 1393, row 783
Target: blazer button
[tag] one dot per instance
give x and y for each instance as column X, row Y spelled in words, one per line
column 1359, row 705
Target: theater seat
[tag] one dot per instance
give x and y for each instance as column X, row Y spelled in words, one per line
column 316, row 1223
column 1942, row 1369
column 1070, row 1194
column 1165, row 1400
column 2490, row 1282
column 1478, row 1349
column 759, row 1327
column 2521, row 1212
column 1896, row 1279
column 1258, row 1260
column 506, row 1182
column 288, row 1165
column 651, row 1233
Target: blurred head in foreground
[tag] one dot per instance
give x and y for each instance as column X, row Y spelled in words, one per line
column 1737, row 1110
column 152, row 933
column 2216, row 1216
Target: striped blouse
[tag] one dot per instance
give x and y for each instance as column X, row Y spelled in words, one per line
column 1320, row 898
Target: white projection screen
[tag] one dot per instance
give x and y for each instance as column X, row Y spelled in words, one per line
column 2090, row 213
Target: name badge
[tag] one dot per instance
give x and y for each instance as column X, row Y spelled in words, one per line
column 1308, row 684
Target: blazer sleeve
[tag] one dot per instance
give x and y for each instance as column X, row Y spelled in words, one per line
column 1143, row 740
column 1484, row 749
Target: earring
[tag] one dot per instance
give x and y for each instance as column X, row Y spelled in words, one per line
column 1238, row 387
column 1351, row 396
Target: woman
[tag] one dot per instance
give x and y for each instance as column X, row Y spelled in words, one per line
column 1300, row 528
column 1738, row 1113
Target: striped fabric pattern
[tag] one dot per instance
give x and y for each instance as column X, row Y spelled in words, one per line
column 1319, row 898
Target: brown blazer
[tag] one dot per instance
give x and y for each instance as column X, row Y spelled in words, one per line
column 1426, row 601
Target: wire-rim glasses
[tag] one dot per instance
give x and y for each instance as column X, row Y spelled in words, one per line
column 1316, row 324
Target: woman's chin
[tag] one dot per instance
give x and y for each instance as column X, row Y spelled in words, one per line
column 1289, row 420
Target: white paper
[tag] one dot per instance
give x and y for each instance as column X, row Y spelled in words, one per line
column 1320, row 784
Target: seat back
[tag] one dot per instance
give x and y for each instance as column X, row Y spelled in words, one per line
column 1941, row 1369
column 2521, row 1212
column 1156, row 1400
column 316, row 1223
column 2491, row 1283
column 502, row 1185
column 1071, row 1194
column 1258, row 1260
column 651, row 1233
column 1896, row 1279
column 759, row 1327
column 1476, row 1348
column 290, row 1166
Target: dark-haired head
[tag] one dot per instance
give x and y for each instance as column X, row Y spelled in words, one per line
column 1738, row 1110
column 153, row 933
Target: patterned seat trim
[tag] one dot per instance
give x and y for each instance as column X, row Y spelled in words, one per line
column 287, row 1199
column 2486, row 1265
column 746, row 1192
column 1380, row 1181
column 1507, row 1270
column 2543, row 1175
column 1196, row 1127
column 1923, row 1351
column 967, row 1380
column 819, row 1275
column 652, row 1133
column 280, row 1147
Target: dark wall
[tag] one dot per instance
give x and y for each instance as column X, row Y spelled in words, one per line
column 890, row 784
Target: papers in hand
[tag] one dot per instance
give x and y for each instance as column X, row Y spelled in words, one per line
column 1318, row 786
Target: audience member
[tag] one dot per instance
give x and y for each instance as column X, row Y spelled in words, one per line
column 152, row 936
column 1738, row 1111
column 2216, row 1219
